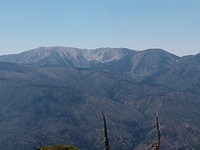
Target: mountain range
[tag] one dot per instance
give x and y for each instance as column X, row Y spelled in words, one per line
column 56, row 95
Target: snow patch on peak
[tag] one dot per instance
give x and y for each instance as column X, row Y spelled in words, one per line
column 105, row 55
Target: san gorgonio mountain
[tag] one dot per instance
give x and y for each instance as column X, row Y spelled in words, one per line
column 56, row 94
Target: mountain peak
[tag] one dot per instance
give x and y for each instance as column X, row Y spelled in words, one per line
column 67, row 56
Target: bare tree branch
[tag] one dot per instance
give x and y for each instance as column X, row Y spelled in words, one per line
column 158, row 131
column 105, row 133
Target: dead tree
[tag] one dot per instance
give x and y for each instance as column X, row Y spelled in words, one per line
column 156, row 146
column 158, row 132
column 105, row 133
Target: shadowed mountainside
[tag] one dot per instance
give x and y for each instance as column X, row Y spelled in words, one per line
column 63, row 104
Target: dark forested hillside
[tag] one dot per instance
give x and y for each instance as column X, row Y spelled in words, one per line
column 62, row 104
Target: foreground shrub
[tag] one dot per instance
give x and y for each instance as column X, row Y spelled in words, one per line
column 58, row 147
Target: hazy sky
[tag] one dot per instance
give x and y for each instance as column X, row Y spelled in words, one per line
column 173, row 25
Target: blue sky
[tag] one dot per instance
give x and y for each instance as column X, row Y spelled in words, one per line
column 173, row 25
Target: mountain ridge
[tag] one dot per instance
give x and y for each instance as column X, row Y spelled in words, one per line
column 67, row 55
column 155, row 66
column 100, row 58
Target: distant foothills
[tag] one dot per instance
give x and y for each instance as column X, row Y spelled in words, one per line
column 55, row 95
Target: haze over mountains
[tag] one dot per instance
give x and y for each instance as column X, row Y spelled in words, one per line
column 56, row 95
